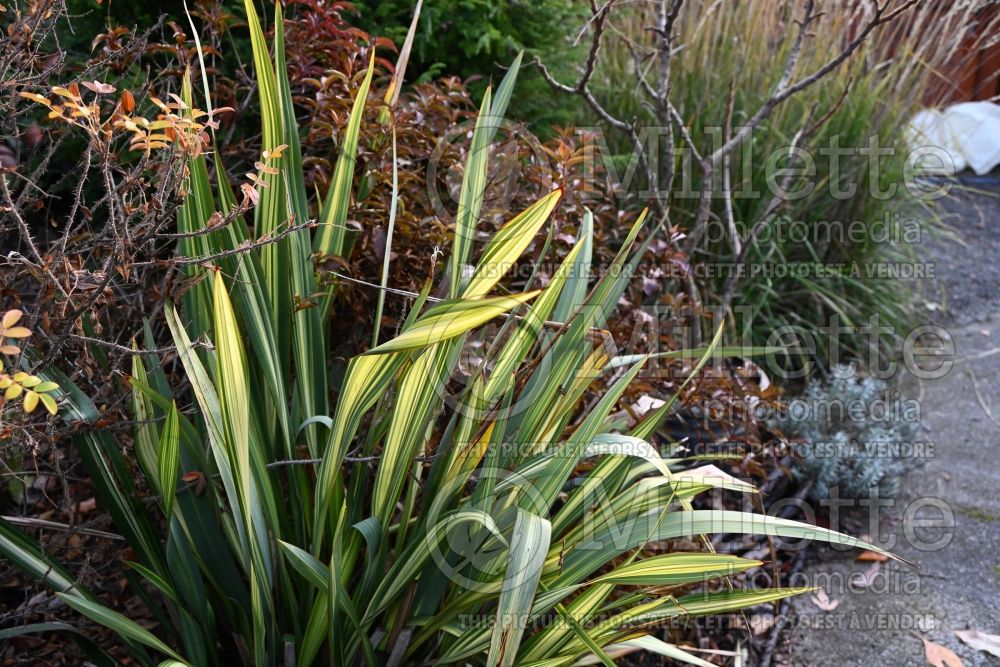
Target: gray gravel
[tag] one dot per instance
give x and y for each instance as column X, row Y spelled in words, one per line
column 967, row 267
column 955, row 587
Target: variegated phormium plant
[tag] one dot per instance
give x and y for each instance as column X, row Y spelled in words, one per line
column 407, row 522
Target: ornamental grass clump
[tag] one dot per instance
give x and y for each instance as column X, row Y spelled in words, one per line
column 775, row 133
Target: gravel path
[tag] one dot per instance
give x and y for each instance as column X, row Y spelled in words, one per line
column 967, row 268
column 955, row 586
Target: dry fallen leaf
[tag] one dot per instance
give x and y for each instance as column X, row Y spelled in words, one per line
column 823, row 601
column 980, row 641
column 940, row 656
column 866, row 578
column 645, row 404
column 99, row 87
column 761, row 623
column 87, row 506
column 715, row 476
column 867, row 556
column 74, row 542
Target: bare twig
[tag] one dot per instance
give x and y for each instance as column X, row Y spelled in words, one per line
column 729, row 290
column 128, row 350
column 582, row 86
column 347, row 459
column 241, row 249
column 22, row 227
column 727, row 186
column 785, row 89
column 979, row 397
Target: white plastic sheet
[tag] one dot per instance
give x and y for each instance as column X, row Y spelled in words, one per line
column 965, row 135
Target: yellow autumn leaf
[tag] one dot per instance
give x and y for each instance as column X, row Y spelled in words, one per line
column 49, row 403
column 17, row 332
column 64, row 92
column 34, row 97
column 11, row 317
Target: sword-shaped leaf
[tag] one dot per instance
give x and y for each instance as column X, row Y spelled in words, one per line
column 470, row 199
column 452, row 318
column 575, row 292
column 330, row 237
column 119, row 624
column 508, row 244
column 529, row 545
column 413, row 559
column 169, row 459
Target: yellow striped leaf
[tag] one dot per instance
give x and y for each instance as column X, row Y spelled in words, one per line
column 508, row 244
column 528, row 547
column 452, row 318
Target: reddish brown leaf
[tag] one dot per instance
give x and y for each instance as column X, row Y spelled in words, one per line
column 128, row 102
